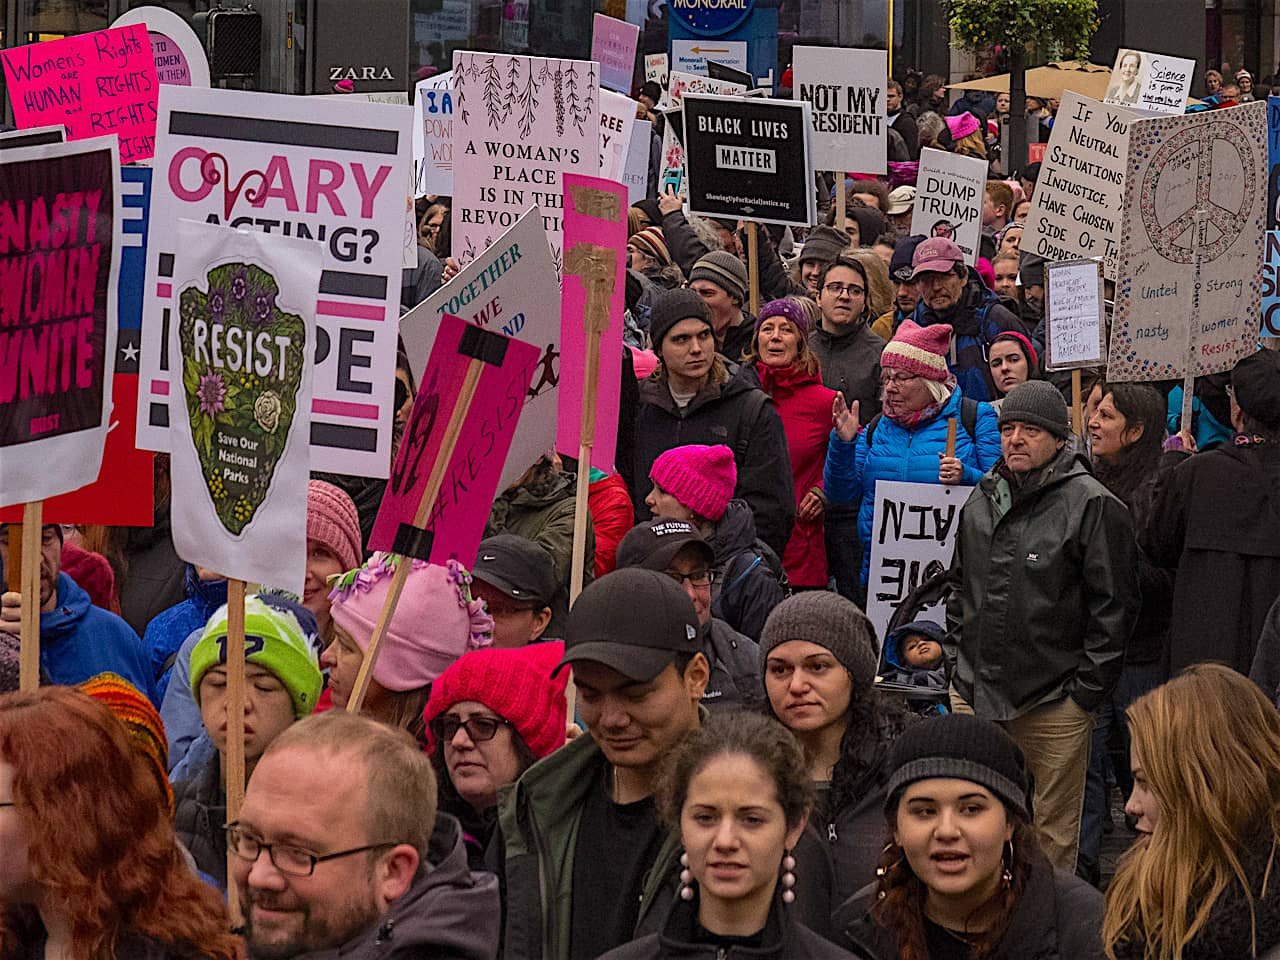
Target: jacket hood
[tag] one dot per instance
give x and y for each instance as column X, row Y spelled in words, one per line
column 734, row 532
column 207, row 595
column 63, row 620
column 893, row 642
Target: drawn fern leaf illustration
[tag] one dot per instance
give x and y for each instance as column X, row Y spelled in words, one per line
column 527, row 102
column 512, row 91
column 492, row 95
column 558, row 86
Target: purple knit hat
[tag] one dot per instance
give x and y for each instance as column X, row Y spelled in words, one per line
column 787, row 309
column 702, row 478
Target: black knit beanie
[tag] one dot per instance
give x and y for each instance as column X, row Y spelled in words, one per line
column 672, row 306
column 831, row 621
column 961, row 747
column 1038, row 402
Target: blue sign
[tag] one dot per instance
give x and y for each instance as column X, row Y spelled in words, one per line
column 710, row 18
column 1273, row 163
column 135, row 189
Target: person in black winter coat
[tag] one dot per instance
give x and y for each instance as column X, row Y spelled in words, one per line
column 963, row 874
column 695, row 397
column 737, row 792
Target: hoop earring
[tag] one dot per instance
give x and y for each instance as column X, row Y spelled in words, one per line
column 1007, row 876
column 788, row 878
column 686, row 878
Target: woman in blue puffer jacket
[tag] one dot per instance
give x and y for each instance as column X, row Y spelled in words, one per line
column 908, row 441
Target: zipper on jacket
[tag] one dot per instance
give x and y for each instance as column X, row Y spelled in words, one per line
column 831, row 833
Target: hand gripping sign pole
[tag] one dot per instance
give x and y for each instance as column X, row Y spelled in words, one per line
column 235, row 727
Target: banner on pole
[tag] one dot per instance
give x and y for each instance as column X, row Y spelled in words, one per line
column 846, row 89
column 949, row 194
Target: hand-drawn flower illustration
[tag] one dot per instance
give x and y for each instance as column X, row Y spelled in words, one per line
column 263, row 305
column 212, row 393
column 239, row 285
column 266, row 411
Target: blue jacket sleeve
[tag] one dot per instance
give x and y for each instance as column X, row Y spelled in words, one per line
column 986, row 442
column 181, row 715
column 842, row 475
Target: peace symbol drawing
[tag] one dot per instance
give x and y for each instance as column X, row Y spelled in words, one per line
column 1207, row 171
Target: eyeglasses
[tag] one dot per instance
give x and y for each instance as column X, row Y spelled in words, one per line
column 479, row 729
column 290, row 860
column 899, row 379
column 844, row 289
column 8, row 803
column 699, row 578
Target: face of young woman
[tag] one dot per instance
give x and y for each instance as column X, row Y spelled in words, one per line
column 1109, row 431
column 953, row 834
column 478, row 768
column 734, row 829
column 1143, row 804
column 342, row 658
column 807, row 686
column 1008, row 365
column 268, row 708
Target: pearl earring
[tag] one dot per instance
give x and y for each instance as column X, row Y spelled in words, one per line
column 686, row 878
column 788, row 878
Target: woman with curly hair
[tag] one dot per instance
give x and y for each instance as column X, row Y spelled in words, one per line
column 1201, row 883
column 963, row 876
column 90, row 867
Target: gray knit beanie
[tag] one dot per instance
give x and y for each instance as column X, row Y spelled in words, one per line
column 1038, row 402
column 724, row 270
column 831, row 621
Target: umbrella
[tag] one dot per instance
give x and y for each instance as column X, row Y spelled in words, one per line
column 1048, row 82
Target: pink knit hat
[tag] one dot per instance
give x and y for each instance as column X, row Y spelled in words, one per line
column 919, row 350
column 332, row 519
column 962, row 125
column 435, row 623
column 702, row 478
column 516, row 684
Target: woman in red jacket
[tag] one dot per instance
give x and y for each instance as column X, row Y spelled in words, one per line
column 788, row 372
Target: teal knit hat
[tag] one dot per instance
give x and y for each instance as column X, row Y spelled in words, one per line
column 274, row 639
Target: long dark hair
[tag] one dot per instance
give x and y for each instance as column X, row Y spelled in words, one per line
column 872, row 723
column 1130, row 474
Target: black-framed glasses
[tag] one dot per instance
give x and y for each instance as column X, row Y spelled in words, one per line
column 8, row 803
column 289, row 859
column 698, row 578
column 840, row 289
column 479, row 729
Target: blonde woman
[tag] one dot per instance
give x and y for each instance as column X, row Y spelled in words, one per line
column 1202, row 882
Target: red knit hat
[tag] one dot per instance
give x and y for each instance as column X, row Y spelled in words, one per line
column 919, row 350
column 702, row 478
column 516, row 684
column 332, row 519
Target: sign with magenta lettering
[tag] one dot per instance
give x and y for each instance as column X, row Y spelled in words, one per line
column 470, row 482
column 335, row 171
column 59, row 233
column 93, row 84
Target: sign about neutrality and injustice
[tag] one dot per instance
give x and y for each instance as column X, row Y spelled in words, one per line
column 1081, row 186
column 948, row 204
column 846, row 89
column 317, row 169
column 59, row 232
column 749, row 158
column 1191, row 245
column 93, row 84
column 520, row 123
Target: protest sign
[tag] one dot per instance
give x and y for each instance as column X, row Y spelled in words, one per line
column 33, row 137
column 1081, row 186
column 720, row 70
column 949, row 192
column 330, row 170
column 1191, row 231
column 846, row 89
column 179, row 55
column 1273, row 163
column 93, row 84
column 511, row 288
column 655, row 69
column 1074, row 311
column 520, row 124
column 680, row 84
column 913, row 535
column 635, row 172
column 592, row 297
column 456, row 521
column 1150, row 82
column 240, row 401
column 749, row 158
column 433, row 137
column 617, row 119
column 60, row 221
column 613, row 46
column 1271, row 286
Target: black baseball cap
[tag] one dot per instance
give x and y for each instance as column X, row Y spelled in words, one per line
column 900, row 265
column 633, row 621
column 653, row 544
column 518, row 567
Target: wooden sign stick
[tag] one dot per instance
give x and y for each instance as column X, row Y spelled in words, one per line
column 1077, row 407
column 234, row 773
column 29, row 651
column 951, row 437
column 1189, row 375
column 425, row 506
column 840, row 200
column 753, row 267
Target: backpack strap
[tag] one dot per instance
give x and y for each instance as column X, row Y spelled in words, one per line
column 969, row 417
column 871, row 428
column 756, row 400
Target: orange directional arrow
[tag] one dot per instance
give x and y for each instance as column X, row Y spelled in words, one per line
column 706, row 50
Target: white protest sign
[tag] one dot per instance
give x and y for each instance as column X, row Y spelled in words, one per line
column 334, row 170
column 511, row 288
column 1074, row 313
column 240, row 400
column 691, row 56
column 179, row 55
column 1078, row 196
column 519, row 124
column 1191, row 245
column 948, row 203
column 1150, row 82
column 913, row 535
column 433, row 136
column 847, row 91
column 617, row 120
column 682, row 83
column 635, row 172
column 655, row 69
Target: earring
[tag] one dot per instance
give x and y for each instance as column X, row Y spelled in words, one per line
column 788, row 878
column 1007, row 876
column 686, row 878
column 882, row 872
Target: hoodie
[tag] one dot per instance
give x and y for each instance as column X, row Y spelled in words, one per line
column 165, row 633
column 749, row 581
column 79, row 641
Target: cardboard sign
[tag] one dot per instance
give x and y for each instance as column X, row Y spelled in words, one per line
column 1150, row 82
column 749, row 158
column 1273, row 161
column 179, row 55
column 1271, row 286
column 1075, row 313
column 1081, row 187
column 510, row 288
column 635, row 173
column 433, row 137
column 846, row 89
column 1190, row 268
column 617, row 120
column 613, row 46
column 93, row 84
column 59, row 233
column 949, row 192
column 336, row 171
column 521, row 123
column 34, row 137
column 471, row 481
column 240, row 403
column 595, row 253
column 913, row 535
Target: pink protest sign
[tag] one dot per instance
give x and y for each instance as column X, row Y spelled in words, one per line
column 471, row 478
column 93, row 84
column 592, row 293
column 613, row 46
